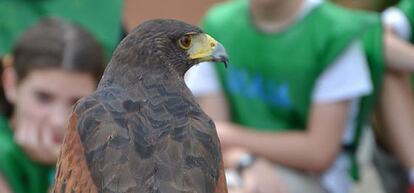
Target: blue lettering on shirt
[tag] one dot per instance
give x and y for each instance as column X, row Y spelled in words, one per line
column 254, row 86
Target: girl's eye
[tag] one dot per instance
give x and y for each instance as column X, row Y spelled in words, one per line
column 43, row 97
column 185, row 42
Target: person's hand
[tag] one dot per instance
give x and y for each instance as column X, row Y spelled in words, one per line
column 231, row 156
column 36, row 140
column 261, row 177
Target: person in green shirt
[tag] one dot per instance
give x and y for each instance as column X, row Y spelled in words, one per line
column 394, row 156
column 297, row 91
column 269, row 104
column 52, row 65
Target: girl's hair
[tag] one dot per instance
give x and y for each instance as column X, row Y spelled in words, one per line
column 54, row 43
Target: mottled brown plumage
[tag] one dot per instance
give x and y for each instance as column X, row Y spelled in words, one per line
column 142, row 130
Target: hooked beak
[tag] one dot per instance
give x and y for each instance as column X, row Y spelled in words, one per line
column 219, row 54
column 207, row 49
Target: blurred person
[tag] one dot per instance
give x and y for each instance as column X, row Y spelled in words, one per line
column 101, row 18
column 394, row 156
column 396, row 128
column 297, row 92
column 52, row 65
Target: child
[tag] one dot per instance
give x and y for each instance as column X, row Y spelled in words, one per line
column 292, row 94
column 53, row 65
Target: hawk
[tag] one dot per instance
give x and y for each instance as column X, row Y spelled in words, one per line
column 142, row 131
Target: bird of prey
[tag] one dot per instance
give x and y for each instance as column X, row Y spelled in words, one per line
column 142, row 131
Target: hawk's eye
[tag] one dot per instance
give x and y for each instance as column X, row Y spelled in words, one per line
column 185, row 42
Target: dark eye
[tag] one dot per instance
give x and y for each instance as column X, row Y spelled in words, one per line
column 43, row 97
column 185, row 42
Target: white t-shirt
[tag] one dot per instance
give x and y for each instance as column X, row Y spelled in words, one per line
column 398, row 21
column 347, row 78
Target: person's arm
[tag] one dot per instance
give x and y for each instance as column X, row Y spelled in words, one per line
column 399, row 54
column 4, row 187
column 396, row 116
column 397, row 99
column 312, row 150
column 396, row 119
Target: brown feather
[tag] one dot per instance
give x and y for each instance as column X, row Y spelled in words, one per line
column 222, row 183
column 72, row 173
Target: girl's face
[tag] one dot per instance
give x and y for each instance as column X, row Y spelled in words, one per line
column 43, row 101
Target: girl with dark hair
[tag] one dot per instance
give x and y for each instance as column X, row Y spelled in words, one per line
column 52, row 65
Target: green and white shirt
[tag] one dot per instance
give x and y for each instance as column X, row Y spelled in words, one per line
column 274, row 78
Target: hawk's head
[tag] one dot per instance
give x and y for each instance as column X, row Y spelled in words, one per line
column 172, row 43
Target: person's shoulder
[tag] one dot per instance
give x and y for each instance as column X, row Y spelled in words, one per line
column 8, row 147
column 342, row 15
column 342, row 23
column 223, row 13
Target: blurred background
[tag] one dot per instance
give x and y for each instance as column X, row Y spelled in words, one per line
column 124, row 16
column 193, row 11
